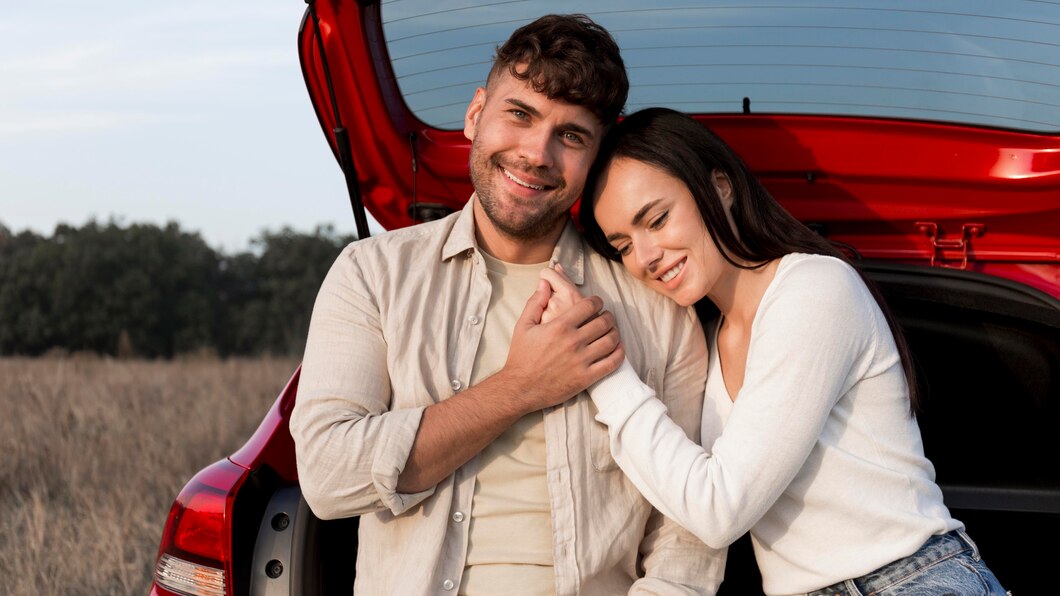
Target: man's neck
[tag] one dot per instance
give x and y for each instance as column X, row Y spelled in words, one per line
column 519, row 251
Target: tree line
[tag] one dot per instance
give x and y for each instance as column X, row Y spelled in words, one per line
column 158, row 291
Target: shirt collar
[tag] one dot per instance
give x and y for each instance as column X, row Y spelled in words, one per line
column 462, row 234
column 569, row 251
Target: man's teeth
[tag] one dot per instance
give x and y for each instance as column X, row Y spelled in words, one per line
column 520, row 182
column 672, row 273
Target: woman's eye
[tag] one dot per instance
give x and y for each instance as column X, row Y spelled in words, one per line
column 622, row 250
column 658, row 222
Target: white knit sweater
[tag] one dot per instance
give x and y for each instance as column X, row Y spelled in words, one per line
column 818, row 456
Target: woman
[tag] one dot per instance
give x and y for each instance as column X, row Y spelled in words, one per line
column 808, row 440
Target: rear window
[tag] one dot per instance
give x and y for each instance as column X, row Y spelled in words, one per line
column 986, row 63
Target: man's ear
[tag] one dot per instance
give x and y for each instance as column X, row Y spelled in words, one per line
column 474, row 110
column 723, row 185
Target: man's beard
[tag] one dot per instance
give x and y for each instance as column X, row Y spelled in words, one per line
column 534, row 225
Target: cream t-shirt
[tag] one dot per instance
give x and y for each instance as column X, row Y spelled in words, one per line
column 509, row 547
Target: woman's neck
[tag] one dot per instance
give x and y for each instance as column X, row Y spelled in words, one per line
column 738, row 292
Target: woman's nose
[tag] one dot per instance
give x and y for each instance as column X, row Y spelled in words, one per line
column 649, row 255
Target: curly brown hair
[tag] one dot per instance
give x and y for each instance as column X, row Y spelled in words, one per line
column 569, row 58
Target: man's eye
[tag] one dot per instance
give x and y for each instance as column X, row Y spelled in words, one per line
column 521, row 115
column 571, row 137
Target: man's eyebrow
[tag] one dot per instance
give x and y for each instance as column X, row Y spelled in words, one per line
column 578, row 128
column 637, row 218
column 524, row 107
column 571, row 126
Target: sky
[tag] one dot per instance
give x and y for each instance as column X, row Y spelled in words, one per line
column 147, row 112
column 196, row 112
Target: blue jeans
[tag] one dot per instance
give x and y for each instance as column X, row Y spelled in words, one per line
column 946, row 565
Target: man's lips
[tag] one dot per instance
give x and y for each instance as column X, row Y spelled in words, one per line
column 527, row 180
column 522, row 182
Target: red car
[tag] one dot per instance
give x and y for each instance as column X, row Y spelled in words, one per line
column 924, row 141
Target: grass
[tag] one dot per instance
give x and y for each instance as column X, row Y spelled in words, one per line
column 93, row 451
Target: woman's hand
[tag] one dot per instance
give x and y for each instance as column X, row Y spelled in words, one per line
column 564, row 293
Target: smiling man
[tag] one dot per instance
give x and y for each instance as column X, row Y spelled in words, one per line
column 435, row 404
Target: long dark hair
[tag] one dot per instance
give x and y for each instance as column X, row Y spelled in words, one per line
column 687, row 150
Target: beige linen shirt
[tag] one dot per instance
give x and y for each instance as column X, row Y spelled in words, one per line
column 395, row 329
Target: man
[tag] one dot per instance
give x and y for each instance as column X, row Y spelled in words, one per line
column 435, row 404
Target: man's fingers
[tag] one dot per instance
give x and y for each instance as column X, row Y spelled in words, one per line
column 608, row 364
column 603, row 345
column 582, row 311
column 596, row 327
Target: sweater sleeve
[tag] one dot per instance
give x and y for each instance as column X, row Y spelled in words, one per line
column 813, row 336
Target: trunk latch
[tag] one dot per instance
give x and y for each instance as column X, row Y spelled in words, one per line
column 939, row 246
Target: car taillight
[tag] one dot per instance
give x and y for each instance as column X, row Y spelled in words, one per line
column 195, row 556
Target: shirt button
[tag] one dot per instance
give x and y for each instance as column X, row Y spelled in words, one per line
column 473, row 320
column 448, row 584
column 458, row 516
column 455, row 384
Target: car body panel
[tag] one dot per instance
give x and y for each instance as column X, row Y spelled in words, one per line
column 271, row 443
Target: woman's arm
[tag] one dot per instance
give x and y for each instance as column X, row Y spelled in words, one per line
column 812, row 338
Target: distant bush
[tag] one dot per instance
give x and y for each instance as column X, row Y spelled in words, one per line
column 155, row 291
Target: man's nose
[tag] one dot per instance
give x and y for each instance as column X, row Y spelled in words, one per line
column 536, row 148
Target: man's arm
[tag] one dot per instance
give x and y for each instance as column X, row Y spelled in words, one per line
column 350, row 446
column 354, row 450
column 547, row 364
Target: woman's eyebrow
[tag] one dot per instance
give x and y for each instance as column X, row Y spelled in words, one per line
column 637, row 218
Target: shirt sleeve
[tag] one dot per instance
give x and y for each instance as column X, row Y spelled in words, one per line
column 675, row 562
column 814, row 335
column 350, row 446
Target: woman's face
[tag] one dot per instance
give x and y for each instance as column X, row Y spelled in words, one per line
column 651, row 219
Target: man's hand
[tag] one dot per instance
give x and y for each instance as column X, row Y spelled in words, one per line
column 550, row 362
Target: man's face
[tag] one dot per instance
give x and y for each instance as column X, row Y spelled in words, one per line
column 529, row 156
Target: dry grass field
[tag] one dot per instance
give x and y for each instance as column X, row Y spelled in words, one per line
column 92, row 452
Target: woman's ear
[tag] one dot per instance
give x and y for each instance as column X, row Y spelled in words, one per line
column 723, row 186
